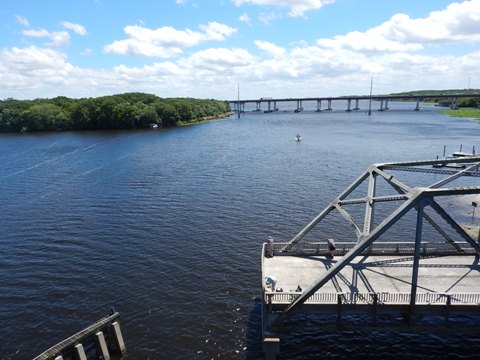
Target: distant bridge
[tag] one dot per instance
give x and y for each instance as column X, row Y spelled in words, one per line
column 353, row 102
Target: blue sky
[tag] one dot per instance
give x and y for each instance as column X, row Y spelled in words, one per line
column 204, row 48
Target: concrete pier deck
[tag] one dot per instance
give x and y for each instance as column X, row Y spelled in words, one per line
column 372, row 274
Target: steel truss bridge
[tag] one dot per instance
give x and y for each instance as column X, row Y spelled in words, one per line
column 374, row 276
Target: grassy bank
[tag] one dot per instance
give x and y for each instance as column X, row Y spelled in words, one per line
column 463, row 112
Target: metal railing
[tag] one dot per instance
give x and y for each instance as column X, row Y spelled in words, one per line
column 382, row 298
column 377, row 248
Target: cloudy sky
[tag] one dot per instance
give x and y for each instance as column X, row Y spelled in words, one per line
column 205, row 48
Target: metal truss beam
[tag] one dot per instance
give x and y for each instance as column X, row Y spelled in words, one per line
column 413, row 197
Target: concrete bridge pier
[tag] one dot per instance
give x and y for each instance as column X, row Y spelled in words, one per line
column 329, row 107
column 271, row 347
column 356, row 105
column 417, row 108
column 454, row 105
column 381, row 105
column 275, row 106
column 239, row 108
column 269, row 107
column 349, row 105
column 299, row 106
column 319, row 106
column 386, row 104
column 257, row 106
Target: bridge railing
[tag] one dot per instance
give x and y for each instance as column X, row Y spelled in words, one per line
column 377, row 248
column 381, row 298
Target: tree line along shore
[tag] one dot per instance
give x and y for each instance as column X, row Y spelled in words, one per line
column 123, row 111
column 140, row 110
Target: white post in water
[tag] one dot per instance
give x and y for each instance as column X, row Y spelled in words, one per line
column 103, row 345
column 118, row 336
column 80, row 352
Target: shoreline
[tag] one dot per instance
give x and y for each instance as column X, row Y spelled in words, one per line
column 206, row 119
column 463, row 112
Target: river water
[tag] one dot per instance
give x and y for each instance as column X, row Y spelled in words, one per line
column 167, row 226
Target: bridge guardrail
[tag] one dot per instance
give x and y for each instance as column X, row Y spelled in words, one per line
column 382, row 298
column 378, row 248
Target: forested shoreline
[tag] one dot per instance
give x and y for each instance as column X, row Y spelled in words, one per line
column 122, row 111
column 473, row 102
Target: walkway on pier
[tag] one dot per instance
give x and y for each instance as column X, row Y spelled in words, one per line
column 388, row 274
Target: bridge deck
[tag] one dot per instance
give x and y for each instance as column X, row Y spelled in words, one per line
column 377, row 274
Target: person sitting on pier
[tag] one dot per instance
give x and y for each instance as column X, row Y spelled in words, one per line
column 331, row 247
column 271, row 282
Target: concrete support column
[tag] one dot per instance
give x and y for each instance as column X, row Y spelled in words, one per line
column 102, row 345
column 275, row 106
column 299, row 106
column 118, row 337
column 271, row 348
column 269, row 107
column 418, row 105
column 258, row 105
column 80, row 352
column 329, row 104
column 319, row 105
column 386, row 104
column 349, row 104
column 356, row 105
column 454, row 105
column 381, row 105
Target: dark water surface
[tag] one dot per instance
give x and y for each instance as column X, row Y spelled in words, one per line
column 166, row 226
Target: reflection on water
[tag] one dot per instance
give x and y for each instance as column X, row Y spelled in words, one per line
column 167, row 227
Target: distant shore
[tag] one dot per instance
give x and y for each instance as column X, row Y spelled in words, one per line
column 463, row 112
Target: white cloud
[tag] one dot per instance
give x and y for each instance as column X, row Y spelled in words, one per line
column 216, row 31
column 267, row 18
column 58, row 38
column 393, row 52
column 244, row 18
column 87, row 52
column 459, row 22
column 78, row 29
column 166, row 41
column 219, row 58
column 22, row 21
column 270, row 48
column 33, row 69
column 297, row 7
column 302, row 71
